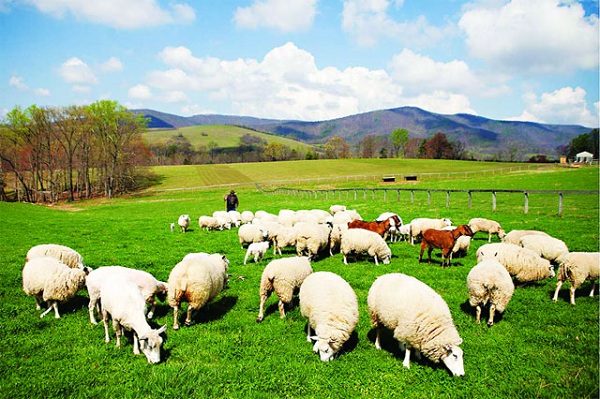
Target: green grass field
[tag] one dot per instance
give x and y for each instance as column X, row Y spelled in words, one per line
column 538, row 349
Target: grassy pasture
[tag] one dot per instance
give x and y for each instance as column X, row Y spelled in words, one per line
column 537, row 349
column 223, row 135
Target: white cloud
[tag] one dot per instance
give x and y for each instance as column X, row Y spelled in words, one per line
column 17, row 83
column 566, row 105
column 287, row 84
column 283, row 15
column 130, row 14
column 535, row 36
column 42, row 92
column 367, row 21
column 140, row 92
column 113, row 64
column 75, row 71
column 81, row 89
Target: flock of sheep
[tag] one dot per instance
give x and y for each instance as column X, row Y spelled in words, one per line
column 419, row 317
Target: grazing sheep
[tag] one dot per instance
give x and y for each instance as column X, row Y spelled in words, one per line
column 210, row 223
column 462, row 244
column 49, row 280
column 249, row 233
column 284, row 276
column 197, row 282
column 123, row 302
column 258, row 250
column 523, row 264
column 246, row 217
column 287, row 217
column 404, row 232
column 331, row 307
column 419, row 225
column 578, row 267
column 488, row 281
column 184, row 222
column 547, row 247
column 149, row 286
column 345, row 217
column 172, row 226
column 444, row 240
column 66, row 255
column 486, row 226
column 312, row 239
column 195, row 255
column 419, row 318
column 284, row 237
column 333, row 209
column 335, row 237
column 514, row 236
column 359, row 240
column 235, row 217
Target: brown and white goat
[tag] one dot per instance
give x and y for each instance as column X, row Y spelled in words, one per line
column 444, row 240
column 381, row 228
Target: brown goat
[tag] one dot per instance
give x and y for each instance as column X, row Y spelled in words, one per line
column 444, row 240
column 380, row 228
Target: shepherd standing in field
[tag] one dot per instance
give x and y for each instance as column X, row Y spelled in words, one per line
column 231, row 201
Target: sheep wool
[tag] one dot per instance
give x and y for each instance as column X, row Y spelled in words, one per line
column 514, row 236
column 196, row 282
column 547, row 247
column 312, row 239
column 359, row 241
column 419, row 318
column 577, row 267
column 66, row 255
column 284, row 276
column 184, row 222
column 488, row 281
column 248, row 233
column 49, row 280
column 258, row 250
column 524, row 265
column 331, row 307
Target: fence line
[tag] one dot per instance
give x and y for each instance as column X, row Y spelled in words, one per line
column 314, row 194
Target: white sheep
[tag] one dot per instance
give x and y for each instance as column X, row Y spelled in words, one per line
column 197, row 282
column 524, row 265
column 246, row 217
column 149, row 286
column 333, row 209
column 487, row 226
column 345, row 217
column 195, row 255
column 359, row 241
column 489, row 281
column 395, row 224
column 172, row 227
column 330, row 305
column 249, row 233
column 283, row 237
column 514, row 236
column 546, row 246
column 404, row 232
column 236, row 218
column 284, row 276
column 256, row 249
column 287, row 217
column 311, row 239
column 184, row 222
column 123, row 302
column 578, row 267
column 335, row 237
column 66, row 255
column 210, row 223
column 419, row 225
column 419, row 318
column 462, row 243
column 49, row 280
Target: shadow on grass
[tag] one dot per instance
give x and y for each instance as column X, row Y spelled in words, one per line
column 485, row 312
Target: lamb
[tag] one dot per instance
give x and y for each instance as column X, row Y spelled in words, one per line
column 578, row 267
column 123, row 302
column 514, row 236
column 284, row 276
column 258, row 250
column 172, row 227
column 66, row 255
column 331, row 307
column 419, row 317
column 248, row 233
column 184, row 222
column 333, row 209
column 197, row 282
column 312, row 239
column 149, row 286
column 546, row 246
column 489, row 281
column 49, row 280
column 444, row 240
column 523, row 264
column 487, row 226
column 360, row 240
column 419, row 225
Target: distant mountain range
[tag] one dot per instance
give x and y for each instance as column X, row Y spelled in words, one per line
column 480, row 135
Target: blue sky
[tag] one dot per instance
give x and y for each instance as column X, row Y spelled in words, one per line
column 532, row 60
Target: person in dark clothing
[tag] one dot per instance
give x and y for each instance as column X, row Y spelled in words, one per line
column 231, row 201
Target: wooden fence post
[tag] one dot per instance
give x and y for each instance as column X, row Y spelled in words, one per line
column 470, row 199
column 560, row 204
column 493, row 200
column 398, row 195
column 447, row 199
column 355, row 193
column 384, row 195
column 526, row 207
column 412, row 196
column 428, row 197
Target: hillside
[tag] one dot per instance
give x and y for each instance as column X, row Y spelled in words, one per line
column 480, row 135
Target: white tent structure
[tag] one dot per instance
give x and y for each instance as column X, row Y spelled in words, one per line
column 584, row 157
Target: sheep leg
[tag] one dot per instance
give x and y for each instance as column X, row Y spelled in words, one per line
column 281, row 307
column 345, row 260
column 572, row 294
column 105, row 321
column 263, row 299
column 118, row 331
column 93, row 303
column 492, row 312
column 308, row 333
column 592, row 290
column 136, row 344
column 38, row 303
column 559, row 283
column 176, row 317
column 246, row 257
column 51, row 305
column 152, row 304
column 489, row 237
column 376, row 261
column 406, row 362
column 377, row 343
column 188, row 318
column 478, row 314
